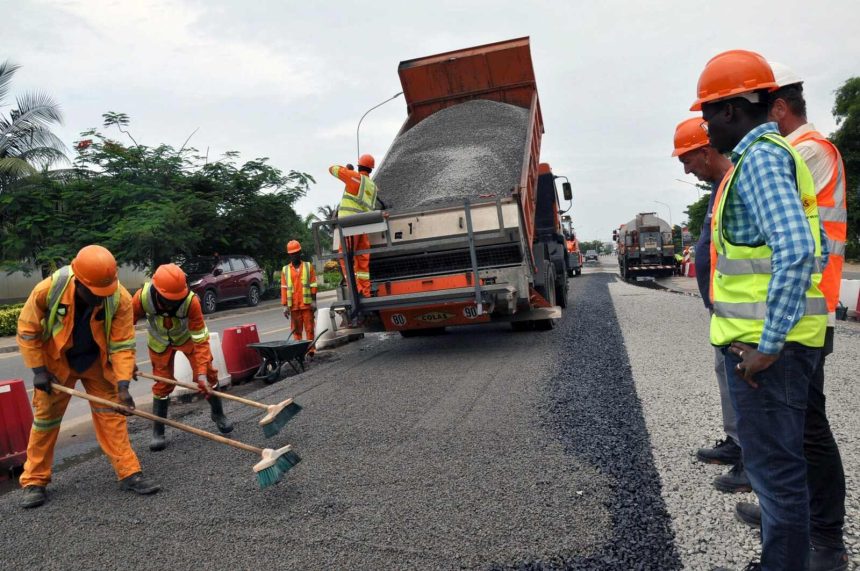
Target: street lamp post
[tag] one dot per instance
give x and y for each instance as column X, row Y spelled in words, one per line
column 671, row 226
column 698, row 188
column 357, row 145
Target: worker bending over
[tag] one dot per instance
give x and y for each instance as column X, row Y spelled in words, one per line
column 175, row 324
column 78, row 325
column 299, row 294
column 359, row 195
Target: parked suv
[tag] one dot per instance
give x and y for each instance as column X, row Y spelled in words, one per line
column 224, row 278
column 591, row 256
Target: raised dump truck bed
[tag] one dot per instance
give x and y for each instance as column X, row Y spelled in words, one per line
column 461, row 240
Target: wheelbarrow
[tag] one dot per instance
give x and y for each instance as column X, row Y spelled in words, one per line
column 276, row 355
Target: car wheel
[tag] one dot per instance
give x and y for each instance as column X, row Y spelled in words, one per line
column 210, row 302
column 253, row 296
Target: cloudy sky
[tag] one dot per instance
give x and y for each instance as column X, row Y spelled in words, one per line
column 289, row 80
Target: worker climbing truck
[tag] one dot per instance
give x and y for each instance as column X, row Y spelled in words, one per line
column 469, row 231
column 645, row 247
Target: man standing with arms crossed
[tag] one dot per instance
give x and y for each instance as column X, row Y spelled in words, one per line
column 695, row 152
column 769, row 313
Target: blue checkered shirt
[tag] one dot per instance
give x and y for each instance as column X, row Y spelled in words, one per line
column 764, row 208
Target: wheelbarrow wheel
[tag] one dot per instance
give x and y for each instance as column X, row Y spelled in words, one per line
column 269, row 372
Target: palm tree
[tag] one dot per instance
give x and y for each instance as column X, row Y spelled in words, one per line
column 26, row 141
column 327, row 212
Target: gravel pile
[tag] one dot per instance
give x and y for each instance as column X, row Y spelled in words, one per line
column 463, row 151
column 672, row 364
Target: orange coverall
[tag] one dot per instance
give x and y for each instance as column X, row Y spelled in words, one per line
column 301, row 314
column 199, row 354
column 100, row 380
column 360, row 262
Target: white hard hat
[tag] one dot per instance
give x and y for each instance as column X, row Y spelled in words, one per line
column 784, row 75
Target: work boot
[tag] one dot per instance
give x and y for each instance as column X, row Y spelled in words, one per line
column 224, row 425
column 733, row 481
column 748, row 513
column 33, row 496
column 828, row 559
column 159, row 408
column 725, row 451
column 139, row 484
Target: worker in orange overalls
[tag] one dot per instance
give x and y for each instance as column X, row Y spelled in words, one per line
column 77, row 325
column 299, row 293
column 176, row 324
column 359, row 196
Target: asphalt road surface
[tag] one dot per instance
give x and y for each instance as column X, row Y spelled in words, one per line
column 480, row 449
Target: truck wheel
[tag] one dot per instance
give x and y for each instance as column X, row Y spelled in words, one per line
column 548, row 293
column 210, row 302
column 561, row 292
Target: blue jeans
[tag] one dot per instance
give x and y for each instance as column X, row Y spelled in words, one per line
column 771, row 422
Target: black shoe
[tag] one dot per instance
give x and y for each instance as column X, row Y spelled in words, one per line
column 139, row 484
column 159, row 408
column 748, row 513
column 733, row 481
column 726, row 452
column 751, row 566
column 33, row 496
column 224, row 425
column 828, row 559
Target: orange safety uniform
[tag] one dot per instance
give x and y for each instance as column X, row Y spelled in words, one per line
column 359, row 196
column 834, row 216
column 45, row 335
column 188, row 327
column 298, row 290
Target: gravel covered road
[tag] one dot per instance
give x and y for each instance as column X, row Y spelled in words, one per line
column 478, row 449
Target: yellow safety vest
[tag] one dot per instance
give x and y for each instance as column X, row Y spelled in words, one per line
column 364, row 201
column 305, row 282
column 743, row 272
column 160, row 337
column 53, row 323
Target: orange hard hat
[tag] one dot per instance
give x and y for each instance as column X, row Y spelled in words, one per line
column 733, row 73
column 95, row 267
column 366, row 161
column 169, row 280
column 690, row 134
column 293, row 247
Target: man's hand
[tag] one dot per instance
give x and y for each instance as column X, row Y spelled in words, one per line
column 42, row 381
column 314, row 306
column 125, row 398
column 350, row 167
column 203, row 386
column 752, row 362
column 135, row 372
column 287, row 312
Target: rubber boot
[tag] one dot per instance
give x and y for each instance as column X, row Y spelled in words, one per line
column 224, row 425
column 159, row 408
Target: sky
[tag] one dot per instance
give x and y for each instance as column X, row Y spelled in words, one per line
column 290, row 80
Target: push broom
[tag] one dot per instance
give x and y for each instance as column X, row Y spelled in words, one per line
column 273, row 464
column 277, row 415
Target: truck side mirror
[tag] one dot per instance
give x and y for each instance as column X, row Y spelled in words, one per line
column 615, row 235
column 566, row 190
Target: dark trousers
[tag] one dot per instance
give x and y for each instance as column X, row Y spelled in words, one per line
column 825, row 475
column 771, row 420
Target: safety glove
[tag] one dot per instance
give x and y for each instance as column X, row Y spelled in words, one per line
column 314, row 307
column 287, row 312
column 350, row 167
column 124, row 396
column 42, row 379
column 203, row 386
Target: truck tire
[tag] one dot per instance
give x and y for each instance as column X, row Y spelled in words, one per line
column 548, row 293
column 561, row 291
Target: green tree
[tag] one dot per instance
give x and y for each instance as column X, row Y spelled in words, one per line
column 697, row 211
column 846, row 110
column 27, row 144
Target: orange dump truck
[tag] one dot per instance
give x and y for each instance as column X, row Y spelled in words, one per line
column 475, row 236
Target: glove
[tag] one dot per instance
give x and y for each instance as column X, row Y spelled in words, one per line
column 125, row 398
column 314, row 307
column 42, row 380
column 135, row 372
column 203, row 386
column 287, row 312
column 350, row 167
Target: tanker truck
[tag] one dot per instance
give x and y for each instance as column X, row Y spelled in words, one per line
column 470, row 230
column 644, row 246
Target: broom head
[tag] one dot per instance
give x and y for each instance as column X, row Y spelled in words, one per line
column 274, row 465
column 278, row 416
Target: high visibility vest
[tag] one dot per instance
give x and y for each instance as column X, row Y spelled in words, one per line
column 53, row 323
column 305, row 283
column 834, row 217
column 743, row 272
column 160, row 337
column 364, row 201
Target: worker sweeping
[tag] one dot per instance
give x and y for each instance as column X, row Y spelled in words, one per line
column 78, row 325
column 299, row 294
column 359, row 195
column 175, row 324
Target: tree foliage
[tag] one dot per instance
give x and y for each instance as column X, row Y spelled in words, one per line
column 151, row 205
column 697, row 211
column 846, row 110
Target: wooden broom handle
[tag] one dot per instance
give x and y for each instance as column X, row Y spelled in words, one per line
column 154, row 418
column 196, row 388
